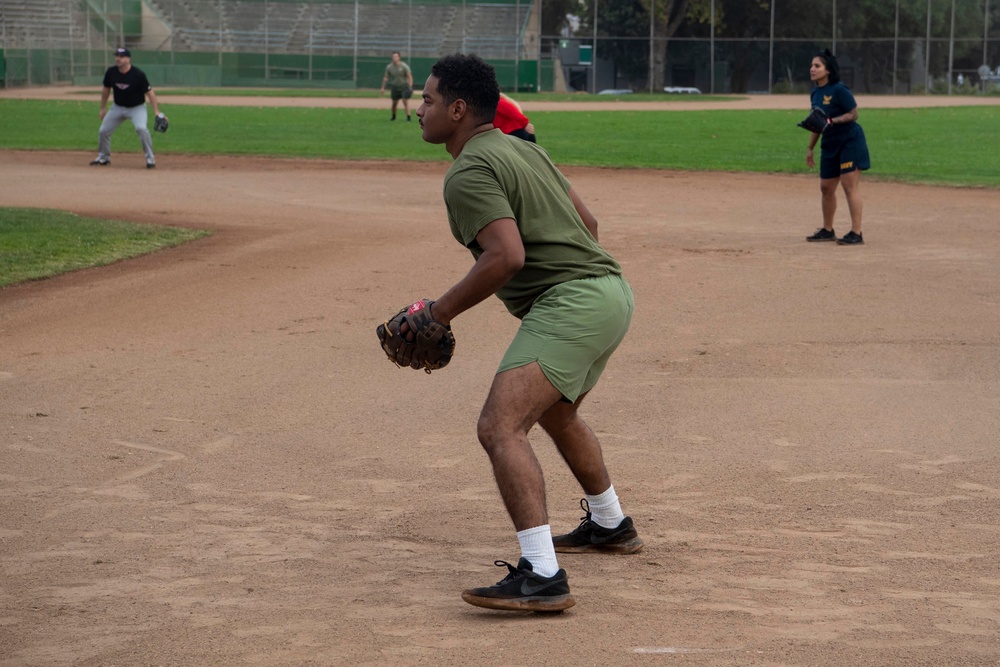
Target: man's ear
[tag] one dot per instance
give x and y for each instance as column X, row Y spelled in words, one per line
column 458, row 109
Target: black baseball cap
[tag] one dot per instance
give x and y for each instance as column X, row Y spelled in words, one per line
column 124, row 53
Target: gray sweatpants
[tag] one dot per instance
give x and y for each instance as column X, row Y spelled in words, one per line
column 117, row 115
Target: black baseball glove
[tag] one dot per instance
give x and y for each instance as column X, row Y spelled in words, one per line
column 412, row 337
column 817, row 121
column 160, row 123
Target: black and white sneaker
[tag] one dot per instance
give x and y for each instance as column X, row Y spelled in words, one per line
column 590, row 537
column 100, row 162
column 523, row 590
column 823, row 235
column 850, row 238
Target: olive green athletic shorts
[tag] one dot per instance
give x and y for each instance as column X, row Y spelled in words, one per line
column 571, row 331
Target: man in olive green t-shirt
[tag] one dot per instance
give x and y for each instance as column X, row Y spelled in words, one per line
column 535, row 246
column 400, row 80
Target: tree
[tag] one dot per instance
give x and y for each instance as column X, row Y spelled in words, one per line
column 554, row 14
column 743, row 28
column 629, row 21
column 668, row 16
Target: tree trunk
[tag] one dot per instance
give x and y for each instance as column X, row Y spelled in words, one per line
column 669, row 15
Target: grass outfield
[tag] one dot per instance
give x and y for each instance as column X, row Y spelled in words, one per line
column 942, row 146
column 38, row 243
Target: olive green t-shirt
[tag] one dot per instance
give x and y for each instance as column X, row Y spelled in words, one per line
column 498, row 176
column 398, row 75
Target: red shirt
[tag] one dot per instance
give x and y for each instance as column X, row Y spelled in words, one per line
column 509, row 116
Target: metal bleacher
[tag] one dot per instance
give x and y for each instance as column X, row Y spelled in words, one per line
column 341, row 28
column 61, row 41
column 41, row 23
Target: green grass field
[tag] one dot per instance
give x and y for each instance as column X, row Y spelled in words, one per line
column 942, row 146
column 38, row 243
column 950, row 146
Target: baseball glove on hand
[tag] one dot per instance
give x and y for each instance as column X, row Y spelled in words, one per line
column 160, row 123
column 412, row 337
column 817, row 121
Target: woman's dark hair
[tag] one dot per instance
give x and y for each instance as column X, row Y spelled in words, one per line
column 469, row 78
column 830, row 62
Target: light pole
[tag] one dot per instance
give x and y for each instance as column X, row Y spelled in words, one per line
column 770, row 54
column 951, row 47
column 711, row 54
column 593, row 57
column 652, row 44
column 927, row 52
column 895, row 50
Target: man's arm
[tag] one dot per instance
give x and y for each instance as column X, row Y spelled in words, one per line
column 588, row 218
column 105, row 94
column 152, row 100
column 503, row 256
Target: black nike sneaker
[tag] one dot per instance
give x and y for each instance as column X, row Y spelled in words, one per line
column 590, row 537
column 523, row 590
column 823, row 235
column 851, row 238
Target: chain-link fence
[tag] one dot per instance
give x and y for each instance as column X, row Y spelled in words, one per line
column 884, row 46
column 332, row 43
column 730, row 46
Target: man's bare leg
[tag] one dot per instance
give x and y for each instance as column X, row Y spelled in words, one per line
column 517, row 399
column 605, row 529
column 578, row 445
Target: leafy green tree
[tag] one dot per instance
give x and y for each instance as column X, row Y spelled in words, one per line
column 866, row 31
column 629, row 21
column 554, row 13
column 743, row 30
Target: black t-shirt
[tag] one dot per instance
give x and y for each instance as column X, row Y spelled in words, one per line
column 129, row 88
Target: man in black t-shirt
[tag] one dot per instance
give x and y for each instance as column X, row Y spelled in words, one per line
column 130, row 87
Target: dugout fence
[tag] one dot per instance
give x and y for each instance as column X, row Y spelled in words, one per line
column 910, row 46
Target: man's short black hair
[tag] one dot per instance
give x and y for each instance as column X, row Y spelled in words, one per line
column 470, row 78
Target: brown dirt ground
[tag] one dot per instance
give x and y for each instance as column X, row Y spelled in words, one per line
column 205, row 458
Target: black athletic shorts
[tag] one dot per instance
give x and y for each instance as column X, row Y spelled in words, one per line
column 845, row 155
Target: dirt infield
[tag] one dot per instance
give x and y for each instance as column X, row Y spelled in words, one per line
column 205, row 458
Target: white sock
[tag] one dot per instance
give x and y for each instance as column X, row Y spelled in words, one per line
column 605, row 510
column 536, row 546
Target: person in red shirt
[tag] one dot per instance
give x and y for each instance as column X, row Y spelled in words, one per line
column 511, row 120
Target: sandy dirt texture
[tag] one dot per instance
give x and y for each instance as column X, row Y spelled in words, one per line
column 205, row 459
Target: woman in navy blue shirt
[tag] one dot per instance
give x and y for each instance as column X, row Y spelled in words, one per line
column 844, row 151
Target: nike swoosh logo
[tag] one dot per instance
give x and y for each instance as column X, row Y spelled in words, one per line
column 600, row 539
column 528, row 589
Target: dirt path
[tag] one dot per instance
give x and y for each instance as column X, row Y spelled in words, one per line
column 205, row 458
